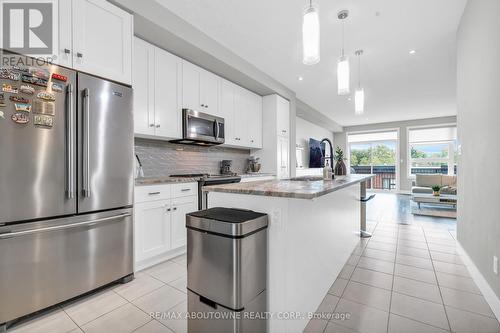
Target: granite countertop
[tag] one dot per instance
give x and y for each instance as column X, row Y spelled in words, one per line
column 256, row 174
column 286, row 188
column 169, row 180
column 164, row 180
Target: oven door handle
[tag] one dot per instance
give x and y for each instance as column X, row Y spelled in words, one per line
column 62, row 227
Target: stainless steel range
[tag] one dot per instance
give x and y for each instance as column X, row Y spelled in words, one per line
column 66, row 186
column 206, row 180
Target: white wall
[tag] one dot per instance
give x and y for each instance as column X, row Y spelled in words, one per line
column 478, row 94
column 305, row 130
column 405, row 182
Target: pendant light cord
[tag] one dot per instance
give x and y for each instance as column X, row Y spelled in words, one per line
column 359, row 70
column 343, row 39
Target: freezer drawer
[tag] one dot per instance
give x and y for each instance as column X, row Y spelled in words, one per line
column 45, row 263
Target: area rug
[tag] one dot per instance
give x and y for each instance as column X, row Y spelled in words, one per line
column 433, row 210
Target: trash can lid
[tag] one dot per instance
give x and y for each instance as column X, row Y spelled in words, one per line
column 227, row 221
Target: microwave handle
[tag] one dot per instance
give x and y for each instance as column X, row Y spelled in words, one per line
column 216, row 124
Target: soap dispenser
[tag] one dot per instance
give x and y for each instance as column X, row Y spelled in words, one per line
column 327, row 171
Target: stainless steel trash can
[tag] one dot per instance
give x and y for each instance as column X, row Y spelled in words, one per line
column 227, row 269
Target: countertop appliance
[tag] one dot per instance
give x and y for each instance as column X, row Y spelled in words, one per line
column 66, row 185
column 200, row 128
column 225, row 167
column 208, row 179
column 227, row 260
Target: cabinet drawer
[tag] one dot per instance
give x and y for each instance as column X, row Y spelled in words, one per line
column 152, row 193
column 184, row 189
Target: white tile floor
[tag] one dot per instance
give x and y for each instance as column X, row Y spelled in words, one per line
column 405, row 279
column 123, row 307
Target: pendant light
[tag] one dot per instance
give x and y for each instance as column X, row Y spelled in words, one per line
column 359, row 95
column 310, row 35
column 343, row 62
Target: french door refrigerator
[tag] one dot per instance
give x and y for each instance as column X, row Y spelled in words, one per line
column 66, row 186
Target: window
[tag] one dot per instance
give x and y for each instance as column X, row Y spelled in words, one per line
column 432, row 150
column 375, row 153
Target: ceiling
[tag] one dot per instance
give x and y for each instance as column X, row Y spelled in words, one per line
column 398, row 86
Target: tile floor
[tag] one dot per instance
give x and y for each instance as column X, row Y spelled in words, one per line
column 122, row 307
column 407, row 278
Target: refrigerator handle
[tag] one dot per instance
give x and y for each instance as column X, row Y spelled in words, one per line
column 70, row 143
column 86, row 143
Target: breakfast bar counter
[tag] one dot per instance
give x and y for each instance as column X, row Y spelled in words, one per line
column 313, row 228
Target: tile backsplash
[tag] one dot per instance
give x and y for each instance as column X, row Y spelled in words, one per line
column 160, row 158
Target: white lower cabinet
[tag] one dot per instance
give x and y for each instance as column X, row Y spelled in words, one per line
column 181, row 207
column 160, row 221
column 152, row 231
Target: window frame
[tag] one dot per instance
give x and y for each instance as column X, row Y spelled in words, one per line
column 450, row 160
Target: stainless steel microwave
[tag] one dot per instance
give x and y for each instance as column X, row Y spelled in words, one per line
column 201, row 128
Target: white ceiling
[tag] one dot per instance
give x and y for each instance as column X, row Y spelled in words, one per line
column 398, row 86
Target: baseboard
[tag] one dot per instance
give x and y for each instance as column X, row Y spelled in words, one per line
column 143, row 264
column 480, row 281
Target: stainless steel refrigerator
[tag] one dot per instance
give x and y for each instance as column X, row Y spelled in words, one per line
column 66, row 185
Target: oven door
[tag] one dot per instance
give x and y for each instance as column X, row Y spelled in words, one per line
column 203, row 127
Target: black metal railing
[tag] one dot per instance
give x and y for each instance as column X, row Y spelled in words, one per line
column 385, row 178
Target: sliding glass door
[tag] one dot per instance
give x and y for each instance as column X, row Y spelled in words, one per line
column 375, row 153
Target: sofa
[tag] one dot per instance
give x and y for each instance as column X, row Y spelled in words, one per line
column 423, row 183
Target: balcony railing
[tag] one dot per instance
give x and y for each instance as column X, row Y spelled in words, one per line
column 385, row 175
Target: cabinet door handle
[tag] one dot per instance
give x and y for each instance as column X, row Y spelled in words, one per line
column 151, row 125
column 157, row 126
column 154, row 193
column 67, row 51
column 185, row 189
column 168, row 210
column 79, row 55
column 175, row 208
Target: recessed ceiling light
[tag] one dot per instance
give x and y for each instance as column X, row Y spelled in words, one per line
column 349, row 98
column 412, row 52
column 300, row 78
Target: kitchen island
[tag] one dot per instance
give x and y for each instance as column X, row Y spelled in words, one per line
column 313, row 228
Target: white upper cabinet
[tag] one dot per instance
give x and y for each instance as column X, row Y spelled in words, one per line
column 200, row 89
column 102, row 39
column 227, row 91
column 190, row 87
column 209, row 92
column 143, row 84
column 168, row 113
column 247, row 118
column 165, row 84
column 283, row 117
column 241, row 117
column 64, row 56
column 157, row 94
column 255, row 120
